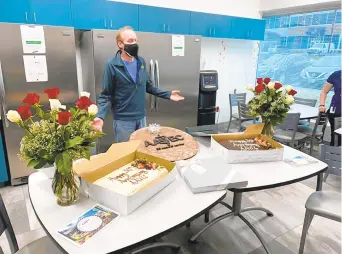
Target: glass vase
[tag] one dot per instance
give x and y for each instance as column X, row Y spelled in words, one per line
column 268, row 129
column 66, row 188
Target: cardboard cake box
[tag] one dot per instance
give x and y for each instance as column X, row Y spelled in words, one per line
column 241, row 156
column 117, row 156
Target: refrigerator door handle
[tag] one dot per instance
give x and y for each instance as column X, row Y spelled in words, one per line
column 152, row 103
column 3, row 98
column 34, row 17
column 26, row 17
column 156, row 83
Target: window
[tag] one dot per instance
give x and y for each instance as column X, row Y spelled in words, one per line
column 302, row 50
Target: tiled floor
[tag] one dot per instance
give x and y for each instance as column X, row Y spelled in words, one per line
column 230, row 236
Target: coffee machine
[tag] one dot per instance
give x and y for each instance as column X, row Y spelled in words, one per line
column 208, row 85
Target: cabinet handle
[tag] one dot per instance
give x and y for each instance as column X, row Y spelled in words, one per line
column 209, row 31
column 34, row 17
column 164, row 28
column 168, row 28
column 111, row 23
column 26, row 18
column 214, row 31
column 105, row 22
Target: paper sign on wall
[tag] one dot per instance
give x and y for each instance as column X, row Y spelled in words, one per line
column 33, row 39
column 177, row 45
column 35, row 68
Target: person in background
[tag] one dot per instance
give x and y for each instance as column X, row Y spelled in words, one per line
column 125, row 83
column 334, row 81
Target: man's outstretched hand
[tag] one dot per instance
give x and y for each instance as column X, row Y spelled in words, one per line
column 175, row 96
column 97, row 124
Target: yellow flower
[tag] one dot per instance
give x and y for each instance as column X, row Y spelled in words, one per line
column 288, row 88
column 250, row 88
column 289, row 99
column 93, row 109
column 270, row 85
column 56, row 104
column 86, row 94
column 13, row 116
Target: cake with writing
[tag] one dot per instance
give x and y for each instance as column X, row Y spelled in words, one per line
column 167, row 143
column 132, row 177
column 246, row 144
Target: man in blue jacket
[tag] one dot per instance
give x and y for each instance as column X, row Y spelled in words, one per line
column 125, row 83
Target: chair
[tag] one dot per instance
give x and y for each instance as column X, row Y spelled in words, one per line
column 326, row 204
column 42, row 245
column 307, row 102
column 244, row 119
column 286, row 132
column 234, row 99
column 317, row 132
column 331, row 155
column 337, row 125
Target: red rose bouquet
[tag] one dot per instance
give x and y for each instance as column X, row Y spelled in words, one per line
column 56, row 136
column 270, row 102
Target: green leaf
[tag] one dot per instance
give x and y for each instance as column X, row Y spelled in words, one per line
column 73, row 142
column 72, row 111
column 63, row 163
column 41, row 164
column 46, row 116
column 66, row 135
column 87, row 153
column 32, row 163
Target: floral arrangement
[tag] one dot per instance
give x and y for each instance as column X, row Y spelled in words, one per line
column 56, row 136
column 271, row 102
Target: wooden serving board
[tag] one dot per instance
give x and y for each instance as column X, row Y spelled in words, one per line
column 179, row 145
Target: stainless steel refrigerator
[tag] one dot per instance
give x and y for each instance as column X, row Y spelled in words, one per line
column 166, row 71
column 61, row 67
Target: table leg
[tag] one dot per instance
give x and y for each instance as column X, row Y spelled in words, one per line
column 156, row 245
column 319, row 185
column 236, row 211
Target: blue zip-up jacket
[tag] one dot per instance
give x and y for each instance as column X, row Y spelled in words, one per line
column 125, row 97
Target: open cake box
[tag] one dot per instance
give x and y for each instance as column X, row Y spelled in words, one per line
column 241, row 156
column 117, row 156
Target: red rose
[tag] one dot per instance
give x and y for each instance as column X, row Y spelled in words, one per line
column 259, row 88
column 64, row 117
column 31, row 99
column 267, row 80
column 292, row 92
column 52, row 93
column 277, row 85
column 259, row 81
column 84, row 102
column 24, row 112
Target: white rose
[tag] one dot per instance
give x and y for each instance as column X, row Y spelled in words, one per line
column 270, row 85
column 85, row 94
column 92, row 109
column 289, row 99
column 55, row 104
column 250, row 88
column 288, row 88
column 13, row 116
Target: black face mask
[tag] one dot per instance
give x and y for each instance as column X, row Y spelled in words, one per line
column 132, row 49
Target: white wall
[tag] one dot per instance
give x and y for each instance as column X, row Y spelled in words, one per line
column 235, row 60
column 275, row 7
column 242, row 8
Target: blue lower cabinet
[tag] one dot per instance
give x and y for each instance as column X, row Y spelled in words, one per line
column 89, row 14
column 52, row 12
column 122, row 14
column 3, row 164
column 163, row 20
column 14, row 11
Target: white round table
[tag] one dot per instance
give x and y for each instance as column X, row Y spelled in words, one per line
column 306, row 112
column 338, row 131
column 173, row 207
column 265, row 175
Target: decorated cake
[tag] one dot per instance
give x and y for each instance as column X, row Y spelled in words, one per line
column 246, row 144
column 165, row 142
column 132, row 177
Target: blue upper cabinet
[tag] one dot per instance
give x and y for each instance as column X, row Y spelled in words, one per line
column 163, row 20
column 3, row 164
column 89, row 14
column 122, row 14
column 210, row 25
column 51, row 12
column 248, row 29
column 14, row 11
